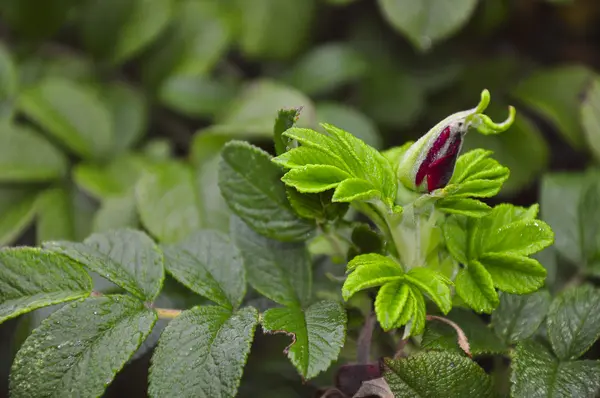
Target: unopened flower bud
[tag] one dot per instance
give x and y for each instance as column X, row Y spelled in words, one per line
column 429, row 163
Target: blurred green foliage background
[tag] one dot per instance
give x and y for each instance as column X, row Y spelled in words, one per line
column 113, row 112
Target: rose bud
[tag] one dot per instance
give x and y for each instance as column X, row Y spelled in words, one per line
column 428, row 164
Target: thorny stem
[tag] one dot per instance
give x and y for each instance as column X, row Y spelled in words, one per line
column 363, row 355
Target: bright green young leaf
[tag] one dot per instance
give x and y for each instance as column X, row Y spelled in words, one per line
column 199, row 34
column 129, row 111
column 252, row 113
column 72, row 114
column 520, row 238
column 202, row 353
column 250, row 183
column 210, row 265
column 280, row 271
column 127, row 257
column 17, row 210
column 31, row 278
column 433, row 284
column 326, row 68
column 538, row 373
column 341, row 161
column 370, row 270
column 427, row 22
column 475, row 286
column 116, row 212
column 482, row 340
column 519, row 316
column 477, row 175
column 555, row 95
column 289, row 25
column 117, row 177
column 393, row 304
column 437, row 374
column 318, row 334
column 317, row 206
column 167, row 202
column 9, row 83
column 116, row 30
column 513, row 273
column 456, row 235
column 79, row 349
column 463, row 206
column 25, row 156
column 574, row 321
column 286, row 118
column 55, row 215
column 349, row 119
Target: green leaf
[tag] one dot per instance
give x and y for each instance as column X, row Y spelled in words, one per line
column 324, row 162
column 425, row 23
column 280, row 271
column 55, row 215
column 198, row 36
column 455, row 231
column 393, row 304
column 475, row 286
column 437, row 374
column 318, row 334
column 463, row 206
column 574, row 321
column 286, row 118
column 115, row 178
column 17, row 210
column 317, row 206
column 129, row 110
column 33, row 20
column 287, row 31
column 251, row 114
column 537, row 373
column 116, row 30
column 167, row 202
column 370, row 270
column 72, row 114
column 250, row 183
column 520, row 238
column 25, row 156
column 590, row 120
column 518, row 317
column 432, row 283
column 127, row 257
column 482, row 340
column 555, row 95
column 349, row 119
column 32, row 278
column 9, row 82
column 210, row 265
column 202, row 353
column 326, row 68
column 116, row 212
column 79, row 348
column 513, row 273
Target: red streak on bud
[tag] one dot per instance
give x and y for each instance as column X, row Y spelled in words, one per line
column 439, row 163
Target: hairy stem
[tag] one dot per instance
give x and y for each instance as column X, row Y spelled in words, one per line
column 363, row 355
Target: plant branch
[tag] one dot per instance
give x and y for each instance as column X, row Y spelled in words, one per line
column 363, row 355
column 167, row 313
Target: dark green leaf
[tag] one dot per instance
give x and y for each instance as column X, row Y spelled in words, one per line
column 555, row 94
column 126, row 257
column 318, row 334
column 278, row 270
column 167, row 202
column 117, row 177
column 537, row 373
column 25, row 156
column 288, row 28
column 72, row 114
column 202, row 353
column 424, row 23
column 129, row 111
column 9, row 82
column 32, row 278
column 116, row 212
column 326, row 68
column 115, row 30
column 17, row 210
column 210, row 265
column 519, row 316
column 482, row 340
column 35, row 20
column 437, row 374
column 250, row 183
column 574, row 321
column 79, row 348
column 55, row 215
